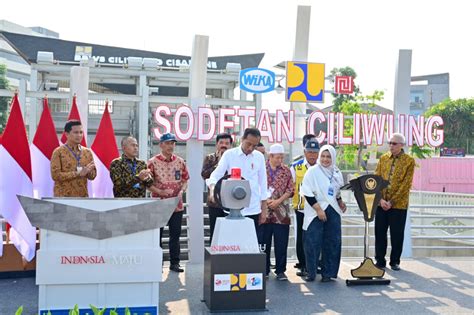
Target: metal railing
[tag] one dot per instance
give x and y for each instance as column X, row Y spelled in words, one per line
column 435, row 230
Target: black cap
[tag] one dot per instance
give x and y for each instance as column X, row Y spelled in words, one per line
column 312, row 146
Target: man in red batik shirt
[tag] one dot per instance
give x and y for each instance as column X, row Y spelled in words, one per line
column 170, row 179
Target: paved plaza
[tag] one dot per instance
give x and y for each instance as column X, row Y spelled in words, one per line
column 423, row 286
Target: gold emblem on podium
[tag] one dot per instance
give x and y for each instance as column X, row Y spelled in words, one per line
column 368, row 192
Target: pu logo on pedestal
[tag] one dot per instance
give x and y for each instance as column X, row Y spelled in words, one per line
column 257, row 80
column 238, row 282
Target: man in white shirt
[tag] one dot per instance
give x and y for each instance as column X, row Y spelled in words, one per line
column 252, row 165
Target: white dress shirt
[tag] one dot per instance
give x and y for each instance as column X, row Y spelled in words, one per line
column 252, row 168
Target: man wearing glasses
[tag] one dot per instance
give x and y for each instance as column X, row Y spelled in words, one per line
column 397, row 167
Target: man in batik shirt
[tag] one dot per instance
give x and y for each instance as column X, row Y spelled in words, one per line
column 170, row 179
column 223, row 143
column 275, row 222
column 130, row 176
column 72, row 164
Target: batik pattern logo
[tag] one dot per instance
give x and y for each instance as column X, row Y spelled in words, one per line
column 344, row 85
column 304, row 82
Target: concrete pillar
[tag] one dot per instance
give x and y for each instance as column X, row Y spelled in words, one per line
column 143, row 111
column 243, row 97
column 79, row 85
column 258, row 106
column 33, row 103
column 22, row 98
column 401, row 102
column 401, row 105
column 195, row 148
column 300, row 53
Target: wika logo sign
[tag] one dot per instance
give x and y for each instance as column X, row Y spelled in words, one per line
column 257, row 80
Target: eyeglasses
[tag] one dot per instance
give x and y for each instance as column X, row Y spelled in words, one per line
column 393, row 143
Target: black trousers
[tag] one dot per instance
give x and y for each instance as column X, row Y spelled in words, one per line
column 299, row 238
column 215, row 213
column 280, row 234
column 174, row 224
column 394, row 219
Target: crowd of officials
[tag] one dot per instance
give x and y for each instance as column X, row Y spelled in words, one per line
column 309, row 187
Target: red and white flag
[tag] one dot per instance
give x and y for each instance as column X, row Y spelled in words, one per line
column 74, row 115
column 104, row 150
column 1, row 231
column 15, row 179
column 44, row 143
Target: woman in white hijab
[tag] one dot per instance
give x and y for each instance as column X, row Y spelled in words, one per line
column 322, row 215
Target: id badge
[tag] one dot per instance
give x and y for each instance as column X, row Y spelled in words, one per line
column 79, row 169
column 331, row 191
column 136, row 186
column 177, row 175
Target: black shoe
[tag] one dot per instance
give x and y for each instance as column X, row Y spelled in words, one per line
column 176, row 268
column 302, row 273
column 395, row 267
column 318, row 270
column 326, row 279
column 297, row 266
column 308, row 279
column 379, row 265
column 281, row 276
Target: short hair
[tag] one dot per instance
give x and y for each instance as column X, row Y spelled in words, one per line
column 259, row 145
column 307, row 137
column 71, row 123
column 400, row 137
column 125, row 140
column 251, row 131
column 224, row 135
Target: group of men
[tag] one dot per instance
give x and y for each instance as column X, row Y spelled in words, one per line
column 274, row 187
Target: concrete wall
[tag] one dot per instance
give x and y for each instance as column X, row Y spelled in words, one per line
column 449, row 174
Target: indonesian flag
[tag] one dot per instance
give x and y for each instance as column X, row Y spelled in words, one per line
column 15, row 179
column 1, row 231
column 104, row 150
column 44, row 143
column 74, row 115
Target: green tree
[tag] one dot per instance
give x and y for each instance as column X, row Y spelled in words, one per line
column 458, row 117
column 350, row 156
column 4, row 101
column 341, row 98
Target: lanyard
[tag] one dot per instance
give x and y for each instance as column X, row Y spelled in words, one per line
column 77, row 157
column 273, row 174
column 133, row 167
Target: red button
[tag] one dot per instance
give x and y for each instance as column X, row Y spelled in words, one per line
column 235, row 173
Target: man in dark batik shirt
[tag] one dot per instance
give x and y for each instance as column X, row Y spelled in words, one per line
column 223, row 143
column 130, row 175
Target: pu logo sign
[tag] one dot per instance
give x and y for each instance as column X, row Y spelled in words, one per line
column 257, row 80
column 344, row 85
column 304, row 82
column 238, row 282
